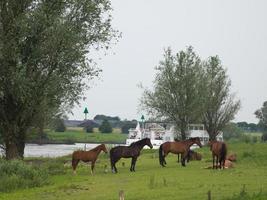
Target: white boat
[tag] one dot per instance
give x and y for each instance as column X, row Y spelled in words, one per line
column 158, row 134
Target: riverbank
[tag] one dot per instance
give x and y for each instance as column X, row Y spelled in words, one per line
column 247, row 180
column 78, row 135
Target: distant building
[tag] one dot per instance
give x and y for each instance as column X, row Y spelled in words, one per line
column 159, row 134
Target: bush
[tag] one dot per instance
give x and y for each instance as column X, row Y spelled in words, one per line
column 245, row 138
column 126, row 126
column 232, row 131
column 16, row 175
column 89, row 128
column 264, row 137
column 59, row 125
column 105, row 127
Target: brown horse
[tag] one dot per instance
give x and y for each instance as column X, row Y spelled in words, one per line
column 181, row 147
column 219, row 151
column 87, row 156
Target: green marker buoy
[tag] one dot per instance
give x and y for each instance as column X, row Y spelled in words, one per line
column 85, row 113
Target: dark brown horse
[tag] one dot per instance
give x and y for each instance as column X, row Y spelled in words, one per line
column 87, row 156
column 132, row 151
column 181, row 147
column 219, row 151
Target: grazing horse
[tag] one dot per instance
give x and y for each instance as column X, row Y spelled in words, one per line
column 132, row 151
column 181, row 147
column 219, row 150
column 87, row 156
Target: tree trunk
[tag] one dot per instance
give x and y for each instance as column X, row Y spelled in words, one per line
column 212, row 135
column 11, row 151
column 183, row 131
column 14, row 143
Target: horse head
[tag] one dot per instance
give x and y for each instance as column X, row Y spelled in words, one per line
column 103, row 148
column 148, row 143
column 196, row 140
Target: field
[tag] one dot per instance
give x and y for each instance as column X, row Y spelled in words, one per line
column 150, row 181
column 72, row 135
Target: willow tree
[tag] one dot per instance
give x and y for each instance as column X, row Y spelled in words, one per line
column 177, row 90
column 220, row 104
column 44, row 48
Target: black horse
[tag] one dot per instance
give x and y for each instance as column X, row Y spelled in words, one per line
column 132, row 151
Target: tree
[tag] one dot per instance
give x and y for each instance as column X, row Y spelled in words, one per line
column 177, row 89
column 44, row 49
column 261, row 114
column 232, row 131
column 59, row 125
column 220, row 106
column 126, row 125
column 105, row 127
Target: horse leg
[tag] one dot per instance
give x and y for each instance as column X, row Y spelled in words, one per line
column 113, row 165
column 223, row 163
column 183, row 157
column 92, row 167
column 74, row 165
column 178, row 157
column 134, row 162
column 217, row 161
column 213, row 159
column 164, row 161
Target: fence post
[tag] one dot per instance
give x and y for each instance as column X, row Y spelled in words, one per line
column 121, row 195
column 209, row 195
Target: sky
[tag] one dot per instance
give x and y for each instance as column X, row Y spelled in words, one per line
column 236, row 31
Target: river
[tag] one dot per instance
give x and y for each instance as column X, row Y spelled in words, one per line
column 55, row 150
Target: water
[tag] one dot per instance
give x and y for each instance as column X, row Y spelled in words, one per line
column 54, row 150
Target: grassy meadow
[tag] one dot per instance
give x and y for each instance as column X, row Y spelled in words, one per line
column 247, row 180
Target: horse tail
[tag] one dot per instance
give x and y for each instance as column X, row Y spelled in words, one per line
column 111, row 156
column 223, row 152
column 161, row 158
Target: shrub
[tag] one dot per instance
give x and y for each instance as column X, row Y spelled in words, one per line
column 245, row 138
column 105, row 127
column 232, row 131
column 16, row 174
column 126, row 126
column 264, row 137
column 59, row 125
column 89, row 128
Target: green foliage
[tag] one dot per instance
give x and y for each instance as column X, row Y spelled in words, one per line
column 59, row 125
column 231, row 130
column 104, row 117
column 261, row 114
column 264, row 137
column 89, row 128
column 16, row 174
column 220, row 106
column 44, row 56
column 249, row 126
column 127, row 125
column 188, row 90
column 105, row 127
column 177, row 89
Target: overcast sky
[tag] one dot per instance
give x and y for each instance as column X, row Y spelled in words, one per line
column 236, row 30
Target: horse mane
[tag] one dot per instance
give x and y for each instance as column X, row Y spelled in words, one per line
column 137, row 142
column 96, row 148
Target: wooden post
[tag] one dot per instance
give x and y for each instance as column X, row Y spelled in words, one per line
column 209, row 195
column 121, row 195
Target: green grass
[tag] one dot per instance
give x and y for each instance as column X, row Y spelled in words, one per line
column 150, row 181
column 72, row 135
